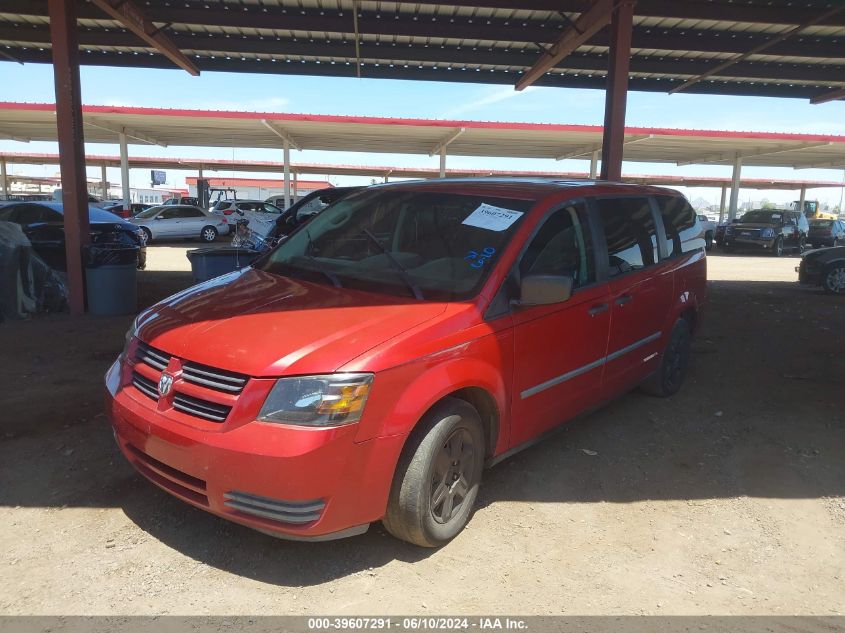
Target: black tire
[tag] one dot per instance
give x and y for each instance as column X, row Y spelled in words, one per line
column 208, row 234
column 708, row 240
column 148, row 235
column 674, row 361
column 777, row 247
column 446, row 448
column 833, row 278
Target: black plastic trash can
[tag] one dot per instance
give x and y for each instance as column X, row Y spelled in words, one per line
column 111, row 278
column 208, row 263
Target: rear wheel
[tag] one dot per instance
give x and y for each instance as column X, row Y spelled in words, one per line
column 708, row 240
column 148, row 236
column 669, row 377
column 833, row 278
column 438, row 476
column 208, row 234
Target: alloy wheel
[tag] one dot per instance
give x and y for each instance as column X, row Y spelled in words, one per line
column 451, row 480
column 835, row 279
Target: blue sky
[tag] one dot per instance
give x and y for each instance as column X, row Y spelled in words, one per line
column 379, row 97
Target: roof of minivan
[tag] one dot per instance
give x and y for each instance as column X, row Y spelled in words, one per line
column 538, row 185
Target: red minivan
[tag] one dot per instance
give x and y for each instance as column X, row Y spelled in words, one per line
column 408, row 336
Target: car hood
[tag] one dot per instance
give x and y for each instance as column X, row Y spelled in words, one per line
column 261, row 324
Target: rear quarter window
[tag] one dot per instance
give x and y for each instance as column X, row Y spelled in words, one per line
column 682, row 233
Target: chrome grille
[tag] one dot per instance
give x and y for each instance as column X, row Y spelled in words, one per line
column 212, row 378
column 152, row 357
column 145, row 385
column 201, row 408
column 297, row 512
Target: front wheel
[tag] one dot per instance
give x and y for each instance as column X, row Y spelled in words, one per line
column 669, row 377
column 208, row 234
column 148, row 235
column 833, row 279
column 438, row 476
column 777, row 247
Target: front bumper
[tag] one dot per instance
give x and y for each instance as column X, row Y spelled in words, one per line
column 299, row 483
column 809, row 275
column 734, row 241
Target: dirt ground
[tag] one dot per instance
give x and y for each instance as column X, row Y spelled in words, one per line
column 726, row 499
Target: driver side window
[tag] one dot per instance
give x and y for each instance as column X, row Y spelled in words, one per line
column 562, row 247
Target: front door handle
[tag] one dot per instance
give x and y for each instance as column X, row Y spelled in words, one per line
column 622, row 300
column 597, row 309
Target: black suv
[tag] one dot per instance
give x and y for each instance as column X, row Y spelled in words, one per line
column 770, row 230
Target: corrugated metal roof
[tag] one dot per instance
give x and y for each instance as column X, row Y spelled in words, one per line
column 485, row 41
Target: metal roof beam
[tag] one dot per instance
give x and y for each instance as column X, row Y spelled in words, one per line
column 825, row 165
column 278, row 131
column 448, row 140
column 589, row 149
column 829, row 96
column 133, row 18
column 699, row 40
column 12, row 137
column 758, row 49
column 780, row 149
column 590, row 22
column 131, row 133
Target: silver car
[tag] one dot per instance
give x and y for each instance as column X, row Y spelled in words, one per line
column 180, row 221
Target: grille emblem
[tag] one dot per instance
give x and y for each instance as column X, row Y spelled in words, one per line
column 165, row 384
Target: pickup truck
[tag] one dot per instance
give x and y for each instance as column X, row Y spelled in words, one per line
column 708, row 226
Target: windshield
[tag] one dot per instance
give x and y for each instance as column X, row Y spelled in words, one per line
column 763, row 217
column 148, row 213
column 821, row 224
column 430, row 245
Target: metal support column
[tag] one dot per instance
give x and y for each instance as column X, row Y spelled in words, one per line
column 594, row 164
column 4, row 182
column 124, row 168
column 803, row 198
column 722, row 204
column 443, row 162
column 104, row 183
column 287, row 173
column 65, row 52
column 295, row 185
column 616, row 93
column 735, row 188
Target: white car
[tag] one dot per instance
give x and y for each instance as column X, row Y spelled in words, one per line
column 708, row 227
column 261, row 215
column 180, row 221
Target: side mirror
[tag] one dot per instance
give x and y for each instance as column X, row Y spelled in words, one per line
column 540, row 290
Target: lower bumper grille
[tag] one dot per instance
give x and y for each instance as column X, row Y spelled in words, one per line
column 201, row 408
column 179, row 483
column 292, row 512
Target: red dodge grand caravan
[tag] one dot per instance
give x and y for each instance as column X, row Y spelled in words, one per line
column 408, row 336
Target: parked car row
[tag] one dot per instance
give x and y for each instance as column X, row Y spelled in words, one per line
column 43, row 224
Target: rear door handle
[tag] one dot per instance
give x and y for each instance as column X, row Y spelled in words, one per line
column 621, row 301
column 597, row 309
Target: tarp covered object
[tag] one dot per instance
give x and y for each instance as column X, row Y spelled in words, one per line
column 27, row 284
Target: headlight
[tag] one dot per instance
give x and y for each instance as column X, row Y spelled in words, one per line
column 767, row 234
column 329, row 400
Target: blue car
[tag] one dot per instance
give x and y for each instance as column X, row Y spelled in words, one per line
column 44, row 224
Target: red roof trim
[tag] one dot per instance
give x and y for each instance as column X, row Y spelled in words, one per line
column 365, row 120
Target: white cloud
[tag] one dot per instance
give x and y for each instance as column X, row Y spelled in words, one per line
column 496, row 95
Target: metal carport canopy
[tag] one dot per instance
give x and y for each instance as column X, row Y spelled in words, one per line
column 210, row 128
column 753, row 47
column 273, row 167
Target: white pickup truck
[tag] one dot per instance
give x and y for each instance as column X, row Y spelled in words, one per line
column 708, row 226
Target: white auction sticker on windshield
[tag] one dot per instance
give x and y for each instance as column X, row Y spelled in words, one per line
column 486, row 216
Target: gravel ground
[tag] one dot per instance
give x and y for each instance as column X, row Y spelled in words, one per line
column 726, row 499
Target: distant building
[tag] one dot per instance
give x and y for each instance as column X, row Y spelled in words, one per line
column 259, row 188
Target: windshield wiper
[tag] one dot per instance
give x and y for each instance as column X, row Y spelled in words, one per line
column 403, row 272
column 318, row 267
